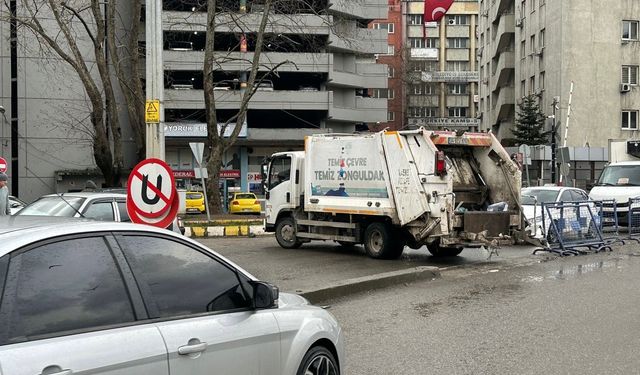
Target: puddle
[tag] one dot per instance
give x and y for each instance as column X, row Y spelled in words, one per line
column 567, row 272
column 466, row 297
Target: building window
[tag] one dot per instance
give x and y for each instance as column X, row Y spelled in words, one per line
column 391, row 94
column 391, row 50
column 629, row 120
column 423, row 112
column 417, row 89
column 523, row 52
column 458, row 20
column 457, row 42
column 416, row 19
column 458, row 112
column 458, row 89
column 458, row 66
column 532, row 84
column 391, row 72
column 629, row 30
column 541, row 81
column 424, row 43
column 391, row 116
column 523, row 91
column 630, row 74
column 533, row 44
column 391, row 28
column 541, row 39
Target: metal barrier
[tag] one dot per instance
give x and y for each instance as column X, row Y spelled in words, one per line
column 573, row 228
column 633, row 218
column 608, row 212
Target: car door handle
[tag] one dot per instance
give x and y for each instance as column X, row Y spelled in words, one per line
column 61, row 372
column 192, row 349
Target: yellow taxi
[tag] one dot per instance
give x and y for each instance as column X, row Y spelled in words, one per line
column 195, row 202
column 244, row 203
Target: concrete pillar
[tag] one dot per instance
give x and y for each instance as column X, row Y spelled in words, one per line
column 244, row 168
column 154, row 76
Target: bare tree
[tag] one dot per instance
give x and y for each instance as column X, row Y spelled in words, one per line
column 78, row 21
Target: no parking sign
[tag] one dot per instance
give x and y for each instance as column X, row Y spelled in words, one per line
column 152, row 198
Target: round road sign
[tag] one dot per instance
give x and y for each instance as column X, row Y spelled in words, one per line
column 151, row 193
column 3, row 165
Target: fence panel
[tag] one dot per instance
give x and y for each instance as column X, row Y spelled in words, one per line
column 634, row 217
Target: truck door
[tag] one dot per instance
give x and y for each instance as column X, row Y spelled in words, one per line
column 279, row 186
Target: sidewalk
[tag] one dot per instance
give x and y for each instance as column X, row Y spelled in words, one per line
column 222, row 225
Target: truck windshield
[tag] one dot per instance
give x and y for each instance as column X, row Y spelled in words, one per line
column 279, row 171
column 620, row 175
column 542, row 196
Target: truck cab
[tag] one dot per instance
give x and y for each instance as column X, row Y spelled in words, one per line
column 283, row 185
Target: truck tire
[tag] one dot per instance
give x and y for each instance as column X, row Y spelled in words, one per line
column 441, row 251
column 380, row 242
column 286, row 233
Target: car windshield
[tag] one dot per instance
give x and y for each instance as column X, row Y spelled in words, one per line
column 53, row 206
column 541, row 195
column 620, row 175
column 245, row 196
column 194, row 195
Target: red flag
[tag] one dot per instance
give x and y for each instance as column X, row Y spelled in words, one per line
column 435, row 9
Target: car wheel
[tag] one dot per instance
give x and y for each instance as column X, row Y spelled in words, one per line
column 318, row 361
column 286, row 233
column 381, row 243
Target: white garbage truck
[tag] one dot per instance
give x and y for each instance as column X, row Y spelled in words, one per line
column 391, row 189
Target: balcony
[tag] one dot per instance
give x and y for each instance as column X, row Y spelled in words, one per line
column 369, row 10
column 368, row 75
column 277, row 23
column 504, row 34
column 505, row 105
column 237, row 61
column 458, row 100
column 415, row 31
column 503, row 70
column 458, row 54
column 350, row 38
column 366, row 110
column 279, row 99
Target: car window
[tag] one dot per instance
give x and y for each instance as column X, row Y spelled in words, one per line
column 578, row 196
column 194, row 196
column 124, row 215
column 99, row 211
column 53, row 206
column 566, row 196
column 541, row 195
column 245, row 196
column 181, row 279
column 67, row 285
column 280, row 171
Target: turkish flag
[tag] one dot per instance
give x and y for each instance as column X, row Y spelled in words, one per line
column 435, row 9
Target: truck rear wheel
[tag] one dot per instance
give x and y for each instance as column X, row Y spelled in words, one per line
column 440, row 251
column 286, row 233
column 381, row 243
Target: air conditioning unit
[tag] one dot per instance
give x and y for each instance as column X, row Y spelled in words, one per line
column 519, row 22
column 540, row 51
column 625, row 87
column 452, row 21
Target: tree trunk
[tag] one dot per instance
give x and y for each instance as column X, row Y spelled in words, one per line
column 213, row 183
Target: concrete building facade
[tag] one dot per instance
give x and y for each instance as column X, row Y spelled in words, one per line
column 441, row 67
column 541, row 47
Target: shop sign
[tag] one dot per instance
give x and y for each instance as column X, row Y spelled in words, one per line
column 230, row 174
column 451, row 76
column 184, row 174
column 198, row 130
column 254, row 177
column 461, row 122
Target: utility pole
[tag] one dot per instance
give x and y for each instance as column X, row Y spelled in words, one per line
column 155, row 77
column 553, row 142
column 13, row 36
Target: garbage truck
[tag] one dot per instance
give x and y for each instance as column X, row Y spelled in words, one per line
column 386, row 190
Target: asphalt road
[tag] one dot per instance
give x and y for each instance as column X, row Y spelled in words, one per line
column 575, row 315
column 317, row 264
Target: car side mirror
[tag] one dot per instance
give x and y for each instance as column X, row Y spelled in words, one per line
column 15, row 205
column 265, row 295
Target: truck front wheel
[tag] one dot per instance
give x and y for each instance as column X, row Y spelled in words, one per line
column 381, row 243
column 286, row 233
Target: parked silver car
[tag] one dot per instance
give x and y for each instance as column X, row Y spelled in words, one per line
column 104, row 206
column 83, row 296
column 15, row 205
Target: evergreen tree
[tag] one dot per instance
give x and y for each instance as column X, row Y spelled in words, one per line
column 529, row 128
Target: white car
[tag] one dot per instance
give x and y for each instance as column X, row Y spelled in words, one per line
column 620, row 182
column 533, row 197
column 103, row 206
column 15, row 205
column 84, row 297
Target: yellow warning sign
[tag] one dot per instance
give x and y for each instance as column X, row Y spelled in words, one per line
column 152, row 111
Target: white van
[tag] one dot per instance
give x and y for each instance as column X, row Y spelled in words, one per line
column 618, row 181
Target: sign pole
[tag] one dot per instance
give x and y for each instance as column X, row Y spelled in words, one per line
column 154, row 81
column 204, row 189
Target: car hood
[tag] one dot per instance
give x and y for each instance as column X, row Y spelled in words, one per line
column 291, row 300
column 620, row 193
column 528, row 211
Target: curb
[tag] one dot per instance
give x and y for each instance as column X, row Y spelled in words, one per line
column 365, row 283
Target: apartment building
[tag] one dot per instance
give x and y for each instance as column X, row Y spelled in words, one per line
column 541, row 47
column 323, row 88
column 441, row 74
